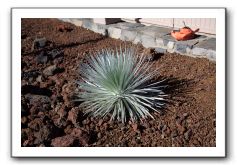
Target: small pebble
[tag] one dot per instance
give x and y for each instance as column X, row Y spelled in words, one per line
column 100, row 122
column 185, row 114
column 99, row 135
column 174, row 134
column 134, row 127
column 188, row 134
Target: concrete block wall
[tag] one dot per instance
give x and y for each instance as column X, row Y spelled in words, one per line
column 150, row 36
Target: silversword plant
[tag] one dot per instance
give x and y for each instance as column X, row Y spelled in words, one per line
column 118, row 82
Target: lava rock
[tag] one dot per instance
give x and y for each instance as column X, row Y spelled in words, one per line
column 153, row 54
column 64, row 141
column 34, row 110
column 46, row 84
column 24, row 112
column 55, row 53
column 58, row 60
column 61, row 111
column 37, row 99
column 164, row 128
column 35, row 124
column 23, row 36
column 196, row 142
column 177, row 142
column 68, row 129
column 42, row 58
column 30, row 74
column 188, row 134
column 185, row 115
column 50, row 70
column 174, row 134
column 100, row 122
column 23, row 64
column 59, row 118
column 77, row 132
column 39, row 78
column 148, row 52
column 68, row 93
column 73, row 116
column 64, row 28
column 163, row 136
column 82, row 136
column 44, row 134
column 181, row 129
column 99, row 135
column 44, row 130
column 58, row 79
column 134, row 127
column 24, row 120
column 39, row 43
column 41, row 145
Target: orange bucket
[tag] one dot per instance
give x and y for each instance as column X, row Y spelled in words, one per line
column 184, row 33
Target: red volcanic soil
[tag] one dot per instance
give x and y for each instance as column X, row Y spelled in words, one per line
column 51, row 54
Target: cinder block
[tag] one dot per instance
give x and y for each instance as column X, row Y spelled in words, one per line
column 114, row 32
column 199, row 51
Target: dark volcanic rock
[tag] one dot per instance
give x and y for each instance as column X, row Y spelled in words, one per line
column 77, row 132
column 64, row 28
column 60, row 118
column 37, row 99
column 42, row 58
column 55, row 53
column 35, row 124
column 44, row 134
column 82, row 136
column 50, row 70
column 29, row 74
column 44, row 130
column 73, row 115
column 58, row 60
column 188, row 134
column 68, row 93
column 64, row 141
column 38, row 43
column 35, row 92
column 39, row 78
column 174, row 134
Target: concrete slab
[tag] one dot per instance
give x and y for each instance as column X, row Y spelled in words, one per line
column 206, row 48
column 199, row 51
column 128, row 35
column 115, row 30
column 160, row 50
column 181, row 48
column 154, row 31
column 148, row 41
column 126, row 25
column 162, row 42
column 99, row 28
column 207, row 44
column 193, row 42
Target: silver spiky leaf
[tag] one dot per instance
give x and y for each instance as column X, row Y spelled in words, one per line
column 116, row 82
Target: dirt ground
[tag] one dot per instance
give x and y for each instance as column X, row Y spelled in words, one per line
column 50, row 57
